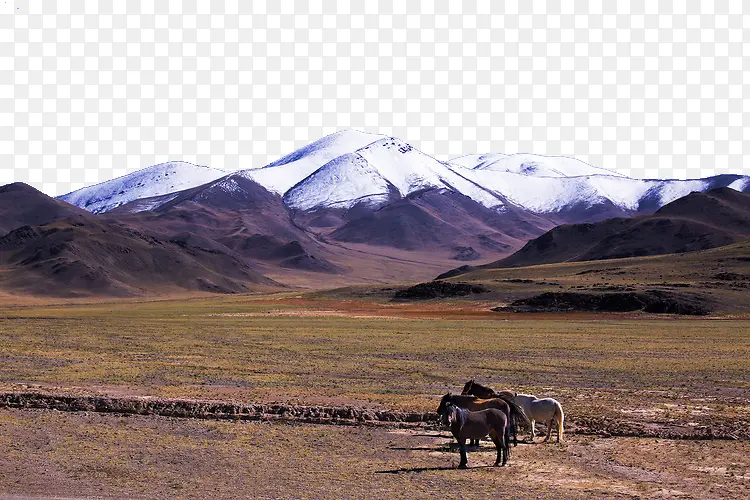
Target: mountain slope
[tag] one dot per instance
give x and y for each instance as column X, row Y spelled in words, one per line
column 75, row 257
column 157, row 180
column 237, row 213
column 696, row 222
column 22, row 205
column 439, row 219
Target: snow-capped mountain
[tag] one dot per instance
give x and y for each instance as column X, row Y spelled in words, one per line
column 373, row 174
column 351, row 167
column 165, row 178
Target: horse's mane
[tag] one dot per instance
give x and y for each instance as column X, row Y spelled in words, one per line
column 456, row 414
column 458, row 397
column 517, row 410
column 482, row 387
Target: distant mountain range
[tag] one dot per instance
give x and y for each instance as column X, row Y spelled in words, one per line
column 349, row 208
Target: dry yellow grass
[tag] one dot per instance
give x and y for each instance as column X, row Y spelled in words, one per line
column 278, row 349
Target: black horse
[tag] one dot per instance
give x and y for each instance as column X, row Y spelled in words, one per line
column 465, row 424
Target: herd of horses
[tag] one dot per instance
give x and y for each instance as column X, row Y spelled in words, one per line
column 479, row 412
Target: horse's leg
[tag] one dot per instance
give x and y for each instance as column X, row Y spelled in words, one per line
column 559, row 428
column 498, row 445
column 549, row 429
column 514, row 429
column 506, row 449
column 506, row 444
column 533, row 429
column 462, row 449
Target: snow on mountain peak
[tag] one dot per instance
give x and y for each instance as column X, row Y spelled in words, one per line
column 284, row 173
column 156, row 180
column 350, row 167
column 408, row 169
column 340, row 183
column 374, row 173
column 534, row 165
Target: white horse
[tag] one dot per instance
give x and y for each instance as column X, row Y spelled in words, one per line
column 546, row 410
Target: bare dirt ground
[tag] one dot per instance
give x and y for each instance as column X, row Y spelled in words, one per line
column 48, row 453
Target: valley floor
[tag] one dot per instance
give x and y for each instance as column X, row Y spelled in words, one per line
column 621, row 371
column 96, row 455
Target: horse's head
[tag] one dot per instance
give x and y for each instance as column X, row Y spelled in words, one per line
column 443, row 403
column 451, row 412
column 467, row 387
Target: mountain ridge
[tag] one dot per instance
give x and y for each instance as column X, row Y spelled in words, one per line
column 698, row 221
column 351, row 167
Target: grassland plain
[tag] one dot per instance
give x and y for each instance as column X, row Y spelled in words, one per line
column 325, row 350
column 289, row 349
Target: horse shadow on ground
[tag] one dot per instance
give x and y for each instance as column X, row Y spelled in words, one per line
column 449, row 447
column 427, row 435
column 408, row 470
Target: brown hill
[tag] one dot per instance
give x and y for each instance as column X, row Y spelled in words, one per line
column 697, row 221
column 81, row 257
column 22, row 205
column 716, row 280
column 238, row 214
column 441, row 220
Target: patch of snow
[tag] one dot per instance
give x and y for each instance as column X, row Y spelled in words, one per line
column 408, row 169
column 148, row 204
column 671, row 190
column 340, row 183
column 622, row 191
column 149, row 182
column 284, row 173
column 228, row 185
column 538, row 194
column 740, row 184
column 476, row 160
column 533, row 165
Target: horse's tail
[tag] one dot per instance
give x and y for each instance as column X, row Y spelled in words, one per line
column 559, row 418
column 506, row 445
column 517, row 415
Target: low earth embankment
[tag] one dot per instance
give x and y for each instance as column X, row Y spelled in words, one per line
column 633, row 425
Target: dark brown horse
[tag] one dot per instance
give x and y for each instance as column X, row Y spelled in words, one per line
column 465, row 424
column 478, row 390
column 516, row 416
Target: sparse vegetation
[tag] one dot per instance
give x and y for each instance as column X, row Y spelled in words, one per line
column 325, row 349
